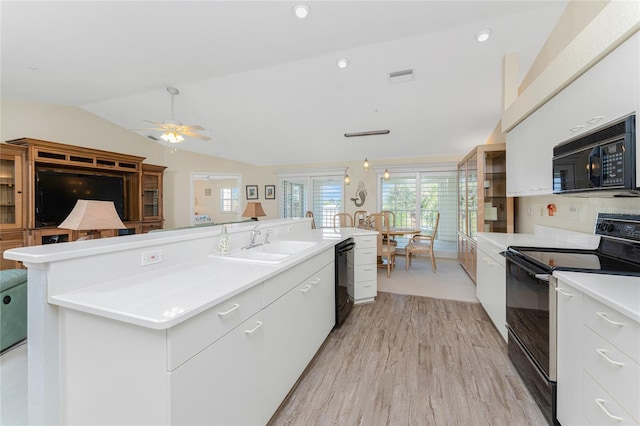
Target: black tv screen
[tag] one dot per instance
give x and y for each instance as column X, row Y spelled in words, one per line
column 57, row 193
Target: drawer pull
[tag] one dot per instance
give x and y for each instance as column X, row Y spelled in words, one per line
column 600, row 403
column 562, row 292
column 315, row 281
column 366, row 269
column 258, row 325
column 235, row 306
column 305, row 289
column 604, row 316
column 603, row 354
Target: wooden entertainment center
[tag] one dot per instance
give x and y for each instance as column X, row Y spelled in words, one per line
column 20, row 159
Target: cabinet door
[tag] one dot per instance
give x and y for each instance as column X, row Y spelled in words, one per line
column 223, row 384
column 492, row 290
column 11, row 200
column 569, row 355
column 10, row 240
column 295, row 326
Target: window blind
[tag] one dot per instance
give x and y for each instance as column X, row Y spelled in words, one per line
column 327, row 200
column 293, row 200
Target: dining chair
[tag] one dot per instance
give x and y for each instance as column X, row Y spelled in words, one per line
column 341, row 220
column 360, row 219
column 386, row 251
column 313, row 221
column 390, row 219
column 422, row 243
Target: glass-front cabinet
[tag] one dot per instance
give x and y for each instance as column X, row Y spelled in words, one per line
column 11, row 202
column 152, row 211
column 482, row 202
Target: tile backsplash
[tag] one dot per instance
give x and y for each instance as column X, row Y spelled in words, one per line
column 571, row 213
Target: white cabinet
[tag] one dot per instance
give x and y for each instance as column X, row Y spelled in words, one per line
column 295, row 327
column 598, row 361
column 223, row 385
column 365, row 269
column 231, row 364
column 492, row 284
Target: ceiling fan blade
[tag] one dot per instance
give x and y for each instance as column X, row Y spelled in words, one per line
column 193, row 127
column 149, row 128
column 196, row 135
column 155, row 123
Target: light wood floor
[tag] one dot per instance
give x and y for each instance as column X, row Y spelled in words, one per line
column 409, row 360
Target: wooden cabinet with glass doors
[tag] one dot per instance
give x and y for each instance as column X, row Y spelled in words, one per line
column 482, row 202
column 152, row 213
column 12, row 218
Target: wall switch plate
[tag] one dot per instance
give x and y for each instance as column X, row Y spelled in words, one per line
column 151, row 257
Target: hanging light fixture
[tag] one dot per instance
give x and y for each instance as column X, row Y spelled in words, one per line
column 172, row 136
column 365, row 165
column 347, row 179
column 386, row 175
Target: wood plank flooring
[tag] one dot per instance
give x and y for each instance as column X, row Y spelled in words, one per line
column 409, row 360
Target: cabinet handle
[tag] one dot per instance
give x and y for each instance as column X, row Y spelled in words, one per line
column 487, row 261
column 604, row 316
column 366, row 269
column 576, row 128
column 305, row 289
column 603, row 354
column 562, row 292
column 368, row 285
column 316, row 281
column 258, row 325
column 595, row 119
column 235, row 306
column 600, row 403
column 368, row 252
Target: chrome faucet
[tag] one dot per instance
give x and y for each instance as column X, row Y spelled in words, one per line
column 252, row 238
column 267, row 236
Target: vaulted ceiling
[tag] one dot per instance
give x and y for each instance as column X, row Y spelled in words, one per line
column 265, row 84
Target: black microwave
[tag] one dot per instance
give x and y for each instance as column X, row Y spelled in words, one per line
column 602, row 162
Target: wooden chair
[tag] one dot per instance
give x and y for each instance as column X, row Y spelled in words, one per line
column 386, row 250
column 341, row 220
column 313, row 221
column 390, row 219
column 422, row 243
column 360, row 219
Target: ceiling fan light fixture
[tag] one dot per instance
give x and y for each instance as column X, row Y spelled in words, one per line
column 301, row 11
column 172, row 137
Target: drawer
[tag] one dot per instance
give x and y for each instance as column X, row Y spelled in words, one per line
column 365, row 256
column 599, row 407
column 618, row 374
column 192, row 336
column 365, row 290
column 365, row 273
column 369, row 241
column 620, row 330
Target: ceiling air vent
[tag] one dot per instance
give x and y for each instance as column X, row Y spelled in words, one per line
column 401, row 76
column 153, row 138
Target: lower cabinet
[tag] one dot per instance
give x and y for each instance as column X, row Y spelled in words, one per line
column 232, row 364
column 365, row 269
column 491, row 284
column 467, row 255
column 598, row 362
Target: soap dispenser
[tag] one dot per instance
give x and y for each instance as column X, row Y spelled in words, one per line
column 224, row 242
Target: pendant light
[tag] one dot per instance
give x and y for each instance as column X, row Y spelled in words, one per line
column 386, row 175
column 365, row 165
column 347, row 179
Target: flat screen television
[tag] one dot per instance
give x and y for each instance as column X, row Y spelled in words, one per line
column 57, row 193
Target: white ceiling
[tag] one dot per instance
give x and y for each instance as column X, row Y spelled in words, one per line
column 265, row 84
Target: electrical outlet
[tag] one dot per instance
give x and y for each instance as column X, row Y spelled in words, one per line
column 151, row 257
column 573, row 212
column 530, row 211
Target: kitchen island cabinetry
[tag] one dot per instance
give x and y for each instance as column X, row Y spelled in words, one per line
column 492, row 284
column 365, row 270
column 231, row 364
column 598, row 350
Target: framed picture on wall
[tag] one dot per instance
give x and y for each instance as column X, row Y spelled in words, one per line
column 207, row 192
column 252, row 192
column 270, row 192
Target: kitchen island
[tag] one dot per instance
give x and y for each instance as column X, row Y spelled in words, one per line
column 183, row 339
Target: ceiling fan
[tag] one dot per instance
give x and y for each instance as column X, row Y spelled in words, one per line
column 173, row 131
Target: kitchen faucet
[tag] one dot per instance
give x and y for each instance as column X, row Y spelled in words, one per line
column 252, row 238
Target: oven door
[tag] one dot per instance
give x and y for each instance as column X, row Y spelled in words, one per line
column 531, row 312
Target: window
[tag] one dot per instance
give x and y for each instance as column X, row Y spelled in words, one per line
column 229, row 200
column 321, row 192
column 417, row 196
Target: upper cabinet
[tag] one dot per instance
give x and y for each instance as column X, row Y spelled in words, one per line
column 152, row 209
column 606, row 92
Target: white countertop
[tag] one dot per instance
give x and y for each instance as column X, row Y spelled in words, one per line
column 545, row 237
column 167, row 296
column 621, row 293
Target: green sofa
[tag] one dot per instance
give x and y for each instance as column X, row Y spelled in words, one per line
column 13, row 307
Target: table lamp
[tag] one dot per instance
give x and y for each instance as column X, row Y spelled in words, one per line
column 92, row 216
column 253, row 210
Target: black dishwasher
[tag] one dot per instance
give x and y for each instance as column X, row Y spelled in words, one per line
column 344, row 278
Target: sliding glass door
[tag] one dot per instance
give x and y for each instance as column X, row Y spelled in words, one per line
column 322, row 195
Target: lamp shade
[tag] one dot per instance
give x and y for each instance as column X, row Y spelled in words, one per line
column 253, row 210
column 88, row 215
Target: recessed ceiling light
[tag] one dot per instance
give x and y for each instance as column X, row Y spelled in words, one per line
column 342, row 63
column 483, row 35
column 301, row 10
